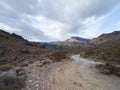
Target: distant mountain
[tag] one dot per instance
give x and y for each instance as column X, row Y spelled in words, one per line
column 48, row 43
column 77, row 39
column 51, row 46
column 72, row 42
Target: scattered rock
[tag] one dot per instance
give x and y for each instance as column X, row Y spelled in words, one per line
column 33, row 70
column 5, row 67
column 30, row 81
column 77, row 84
column 25, row 51
column 98, row 65
column 9, row 81
column 39, row 65
column 24, row 64
column 106, row 71
column 118, row 73
column 20, row 71
column 10, row 73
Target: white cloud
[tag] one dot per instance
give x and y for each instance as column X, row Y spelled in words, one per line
column 53, row 29
column 8, row 28
column 48, row 20
column 73, row 10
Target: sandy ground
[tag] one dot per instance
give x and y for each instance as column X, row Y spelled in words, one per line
column 76, row 74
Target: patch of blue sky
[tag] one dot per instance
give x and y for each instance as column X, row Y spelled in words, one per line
column 112, row 19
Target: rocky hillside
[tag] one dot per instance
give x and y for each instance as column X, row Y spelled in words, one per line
column 105, row 37
column 110, row 35
column 77, row 39
column 29, row 64
column 15, row 54
column 16, row 43
column 107, row 49
column 15, row 50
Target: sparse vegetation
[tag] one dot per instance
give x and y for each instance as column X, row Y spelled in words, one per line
column 108, row 51
column 13, row 79
column 20, row 71
column 59, row 55
column 108, row 69
column 5, row 67
column 45, row 62
column 16, row 53
column 11, row 83
column 17, row 36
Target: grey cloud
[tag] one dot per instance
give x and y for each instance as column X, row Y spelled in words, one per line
column 12, row 14
column 74, row 11
column 21, row 6
column 24, row 27
column 71, row 12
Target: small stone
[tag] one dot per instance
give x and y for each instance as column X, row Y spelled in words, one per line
column 77, row 84
column 118, row 73
column 21, row 73
column 106, row 71
column 30, row 81
column 37, row 85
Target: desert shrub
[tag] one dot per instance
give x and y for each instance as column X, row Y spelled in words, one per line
column 46, row 62
column 17, row 36
column 25, row 51
column 108, row 51
column 30, row 43
column 20, row 71
column 10, row 83
column 23, row 64
column 59, row 55
column 5, row 67
column 13, row 79
column 39, row 65
column 2, row 51
column 4, row 36
column 108, row 66
column 112, row 68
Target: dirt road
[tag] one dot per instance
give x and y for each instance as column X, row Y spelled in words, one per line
column 80, row 74
column 75, row 74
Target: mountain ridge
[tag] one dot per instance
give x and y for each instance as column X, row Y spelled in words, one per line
column 105, row 37
column 110, row 35
column 77, row 39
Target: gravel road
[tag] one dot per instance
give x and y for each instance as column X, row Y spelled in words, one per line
column 75, row 74
column 81, row 74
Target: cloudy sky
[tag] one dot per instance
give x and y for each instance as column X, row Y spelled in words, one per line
column 53, row 20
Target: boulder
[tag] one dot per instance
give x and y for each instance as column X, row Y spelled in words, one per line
column 106, row 71
column 118, row 73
